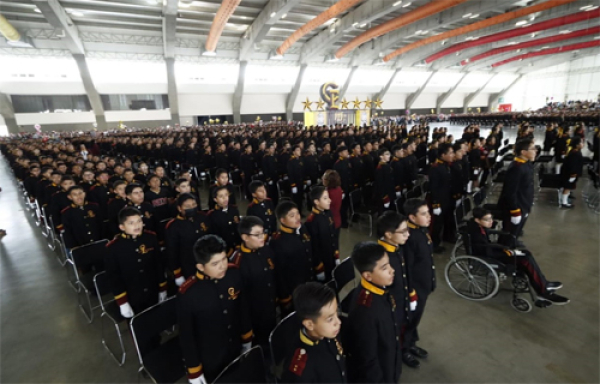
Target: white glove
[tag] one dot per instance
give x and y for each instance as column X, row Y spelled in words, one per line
column 519, row 253
column 398, row 194
column 270, row 182
column 458, row 202
column 285, row 177
column 562, row 156
column 260, row 172
column 476, row 171
column 343, row 196
column 437, row 211
column 337, row 261
column 246, row 347
column 198, row 380
column 413, row 306
column 308, row 182
column 572, row 179
column 126, row 310
column 321, row 276
column 515, row 220
column 202, row 174
column 162, row 296
column 386, row 205
column 180, row 280
column 294, row 190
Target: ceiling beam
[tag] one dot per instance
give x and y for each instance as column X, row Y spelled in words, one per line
column 368, row 52
column 471, row 96
column 387, row 86
column 293, row 96
column 239, row 93
column 169, row 30
column 370, row 10
column 263, row 23
column 444, row 96
column 172, row 90
column 90, row 90
column 58, row 18
column 347, row 82
column 493, row 100
column 410, row 100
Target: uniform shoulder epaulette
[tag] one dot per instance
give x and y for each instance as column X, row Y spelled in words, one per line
column 210, row 212
column 231, row 265
column 65, row 209
column 310, row 218
column 187, row 284
column 149, row 232
column 365, row 298
column 169, row 223
column 236, row 257
column 276, row 236
column 251, row 204
column 298, row 363
column 114, row 240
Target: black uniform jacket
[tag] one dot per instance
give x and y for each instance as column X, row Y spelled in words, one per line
column 266, row 212
column 401, row 289
column 224, row 223
column 293, row 256
column 181, row 235
column 419, row 260
column 82, row 224
column 517, row 192
column 325, row 244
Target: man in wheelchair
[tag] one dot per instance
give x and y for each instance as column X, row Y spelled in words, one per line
column 479, row 229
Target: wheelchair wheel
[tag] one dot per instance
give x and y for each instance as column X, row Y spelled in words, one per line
column 472, row 278
column 459, row 248
column 520, row 304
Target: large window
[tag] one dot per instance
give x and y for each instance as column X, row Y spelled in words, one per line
column 50, row 103
column 134, row 102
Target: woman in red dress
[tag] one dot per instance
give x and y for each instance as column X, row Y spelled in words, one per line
column 332, row 181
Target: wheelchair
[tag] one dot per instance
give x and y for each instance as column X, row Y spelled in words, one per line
column 478, row 278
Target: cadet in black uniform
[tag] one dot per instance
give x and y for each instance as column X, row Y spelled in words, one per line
column 181, row 234
column 60, row 201
column 224, row 219
column 99, row 192
column 571, row 170
column 213, row 313
column 292, row 247
column 135, row 198
column 440, row 181
column 261, row 281
column 87, row 180
column 43, row 182
column 372, row 339
column 323, row 235
column 343, row 167
column 418, row 253
column 31, row 181
column 384, row 190
column 393, row 232
column 221, row 180
column 81, row 220
column 262, row 207
column 358, row 167
column 317, row 355
column 50, row 189
column 295, row 171
column 269, row 167
column 133, row 265
column 516, row 198
column 115, row 205
column 248, row 167
column 158, row 197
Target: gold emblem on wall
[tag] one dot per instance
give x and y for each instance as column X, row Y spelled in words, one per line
column 345, row 103
column 356, row 103
column 330, row 95
column 307, row 104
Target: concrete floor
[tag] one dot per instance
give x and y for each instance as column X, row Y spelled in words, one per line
column 45, row 339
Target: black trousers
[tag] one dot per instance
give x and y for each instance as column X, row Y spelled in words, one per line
column 411, row 333
column 443, row 227
column 297, row 198
column 527, row 265
column 514, row 230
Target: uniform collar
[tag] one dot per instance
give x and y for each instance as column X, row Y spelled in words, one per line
column 412, row 225
column 306, row 340
column 287, row 229
column 439, row 161
column 201, row 276
column 245, row 249
column 126, row 236
column 316, row 211
column 371, row 287
column 521, row 160
column 219, row 208
column 388, row 247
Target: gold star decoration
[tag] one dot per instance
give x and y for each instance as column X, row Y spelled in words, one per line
column 356, row 104
column 345, row 103
column 367, row 103
column 378, row 103
column 307, row 104
column 321, row 105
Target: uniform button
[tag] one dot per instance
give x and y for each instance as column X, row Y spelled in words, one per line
column 337, row 357
column 397, row 338
column 266, row 269
column 229, row 326
column 89, row 233
column 225, row 311
column 139, row 260
column 145, row 289
column 220, row 296
column 343, row 373
column 141, row 271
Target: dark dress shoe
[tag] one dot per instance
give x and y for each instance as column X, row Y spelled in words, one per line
column 555, row 299
column 410, row 360
column 553, row 285
column 418, row 352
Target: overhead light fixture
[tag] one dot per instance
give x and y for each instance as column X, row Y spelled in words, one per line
column 183, row 4
column 585, row 8
column 418, row 32
column 467, row 15
column 406, row 5
column 522, row 22
column 444, row 42
column 532, row 17
column 355, row 24
column 77, row 14
column 332, row 29
column 209, row 53
column 518, row 50
column 425, row 32
column 474, row 16
column 592, row 8
column 331, row 59
column 273, row 14
column 37, row 10
column 597, row 38
column 565, row 32
column 533, row 35
column 244, row 17
column 273, row 55
column 363, row 25
column 397, row 3
column 466, row 60
column 284, row 16
column 546, row 47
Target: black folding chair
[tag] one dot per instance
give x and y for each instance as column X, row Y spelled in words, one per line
column 237, row 182
column 480, row 196
column 249, row 367
column 281, row 339
column 358, row 208
column 161, row 359
column 110, row 311
column 400, row 204
column 283, row 188
column 344, row 275
column 87, row 260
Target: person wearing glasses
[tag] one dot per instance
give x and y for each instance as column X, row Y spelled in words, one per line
column 478, row 228
column 516, row 198
column 261, row 280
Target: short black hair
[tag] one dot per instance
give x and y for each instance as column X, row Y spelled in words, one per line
column 522, row 145
column 130, row 187
column 218, row 189
column 341, row 149
column 254, row 185
column 207, row 246
column 46, row 169
column 366, row 254
column 247, row 223
column 310, row 298
column 479, row 212
column 185, row 197
column 457, row 146
column 74, row 188
column 126, row 212
column 316, row 192
column 575, row 141
column 443, row 149
column 179, row 181
column 119, row 182
column 284, row 208
column 219, row 172
column 389, row 221
column 66, row 178
column 152, row 176
column 382, row 151
column 411, row 206
column 99, row 173
column 127, row 170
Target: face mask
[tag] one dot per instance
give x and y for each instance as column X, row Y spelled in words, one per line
column 190, row 212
